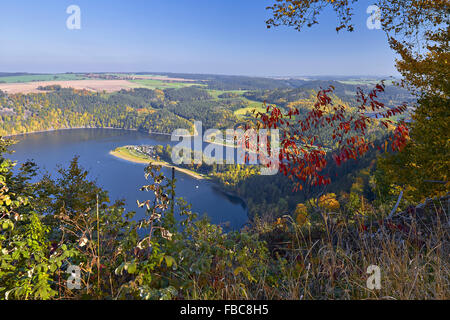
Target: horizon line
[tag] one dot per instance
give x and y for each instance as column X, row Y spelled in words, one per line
column 206, row 74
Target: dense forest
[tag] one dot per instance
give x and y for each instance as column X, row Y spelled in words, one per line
column 143, row 109
column 67, row 108
column 392, row 96
column 354, row 186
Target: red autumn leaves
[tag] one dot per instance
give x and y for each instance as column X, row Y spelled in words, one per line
column 303, row 153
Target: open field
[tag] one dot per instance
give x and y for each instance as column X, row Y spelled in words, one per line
column 149, row 83
column 81, row 76
column 253, row 105
column 41, row 77
column 91, row 85
column 216, row 93
column 94, row 82
column 30, row 84
column 242, row 112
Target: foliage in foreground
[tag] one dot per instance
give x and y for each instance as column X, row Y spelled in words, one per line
column 51, row 225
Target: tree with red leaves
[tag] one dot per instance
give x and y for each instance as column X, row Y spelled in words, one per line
column 304, row 155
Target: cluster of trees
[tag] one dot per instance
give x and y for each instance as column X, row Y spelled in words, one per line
column 211, row 114
column 227, row 83
column 141, row 109
column 306, row 93
column 250, row 83
column 50, row 88
column 187, row 94
column 274, row 195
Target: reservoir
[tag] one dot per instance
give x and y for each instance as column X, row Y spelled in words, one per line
column 121, row 178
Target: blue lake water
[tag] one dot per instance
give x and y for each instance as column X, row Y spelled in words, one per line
column 122, row 178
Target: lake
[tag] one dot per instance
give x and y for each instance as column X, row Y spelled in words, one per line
column 122, row 178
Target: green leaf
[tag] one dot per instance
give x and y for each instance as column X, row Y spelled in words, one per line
column 169, row 261
column 5, row 225
column 238, row 270
column 132, row 268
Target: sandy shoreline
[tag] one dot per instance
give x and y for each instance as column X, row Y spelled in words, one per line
column 158, row 163
column 185, row 171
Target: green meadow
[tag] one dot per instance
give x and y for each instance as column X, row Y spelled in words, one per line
column 161, row 84
column 41, row 77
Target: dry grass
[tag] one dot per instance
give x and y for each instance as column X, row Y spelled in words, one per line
column 330, row 261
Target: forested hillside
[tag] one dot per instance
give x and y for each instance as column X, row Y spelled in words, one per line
column 143, row 109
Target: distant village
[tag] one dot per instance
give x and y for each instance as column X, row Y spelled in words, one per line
column 148, row 151
column 110, row 76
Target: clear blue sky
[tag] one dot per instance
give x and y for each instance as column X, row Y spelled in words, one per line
column 193, row 36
